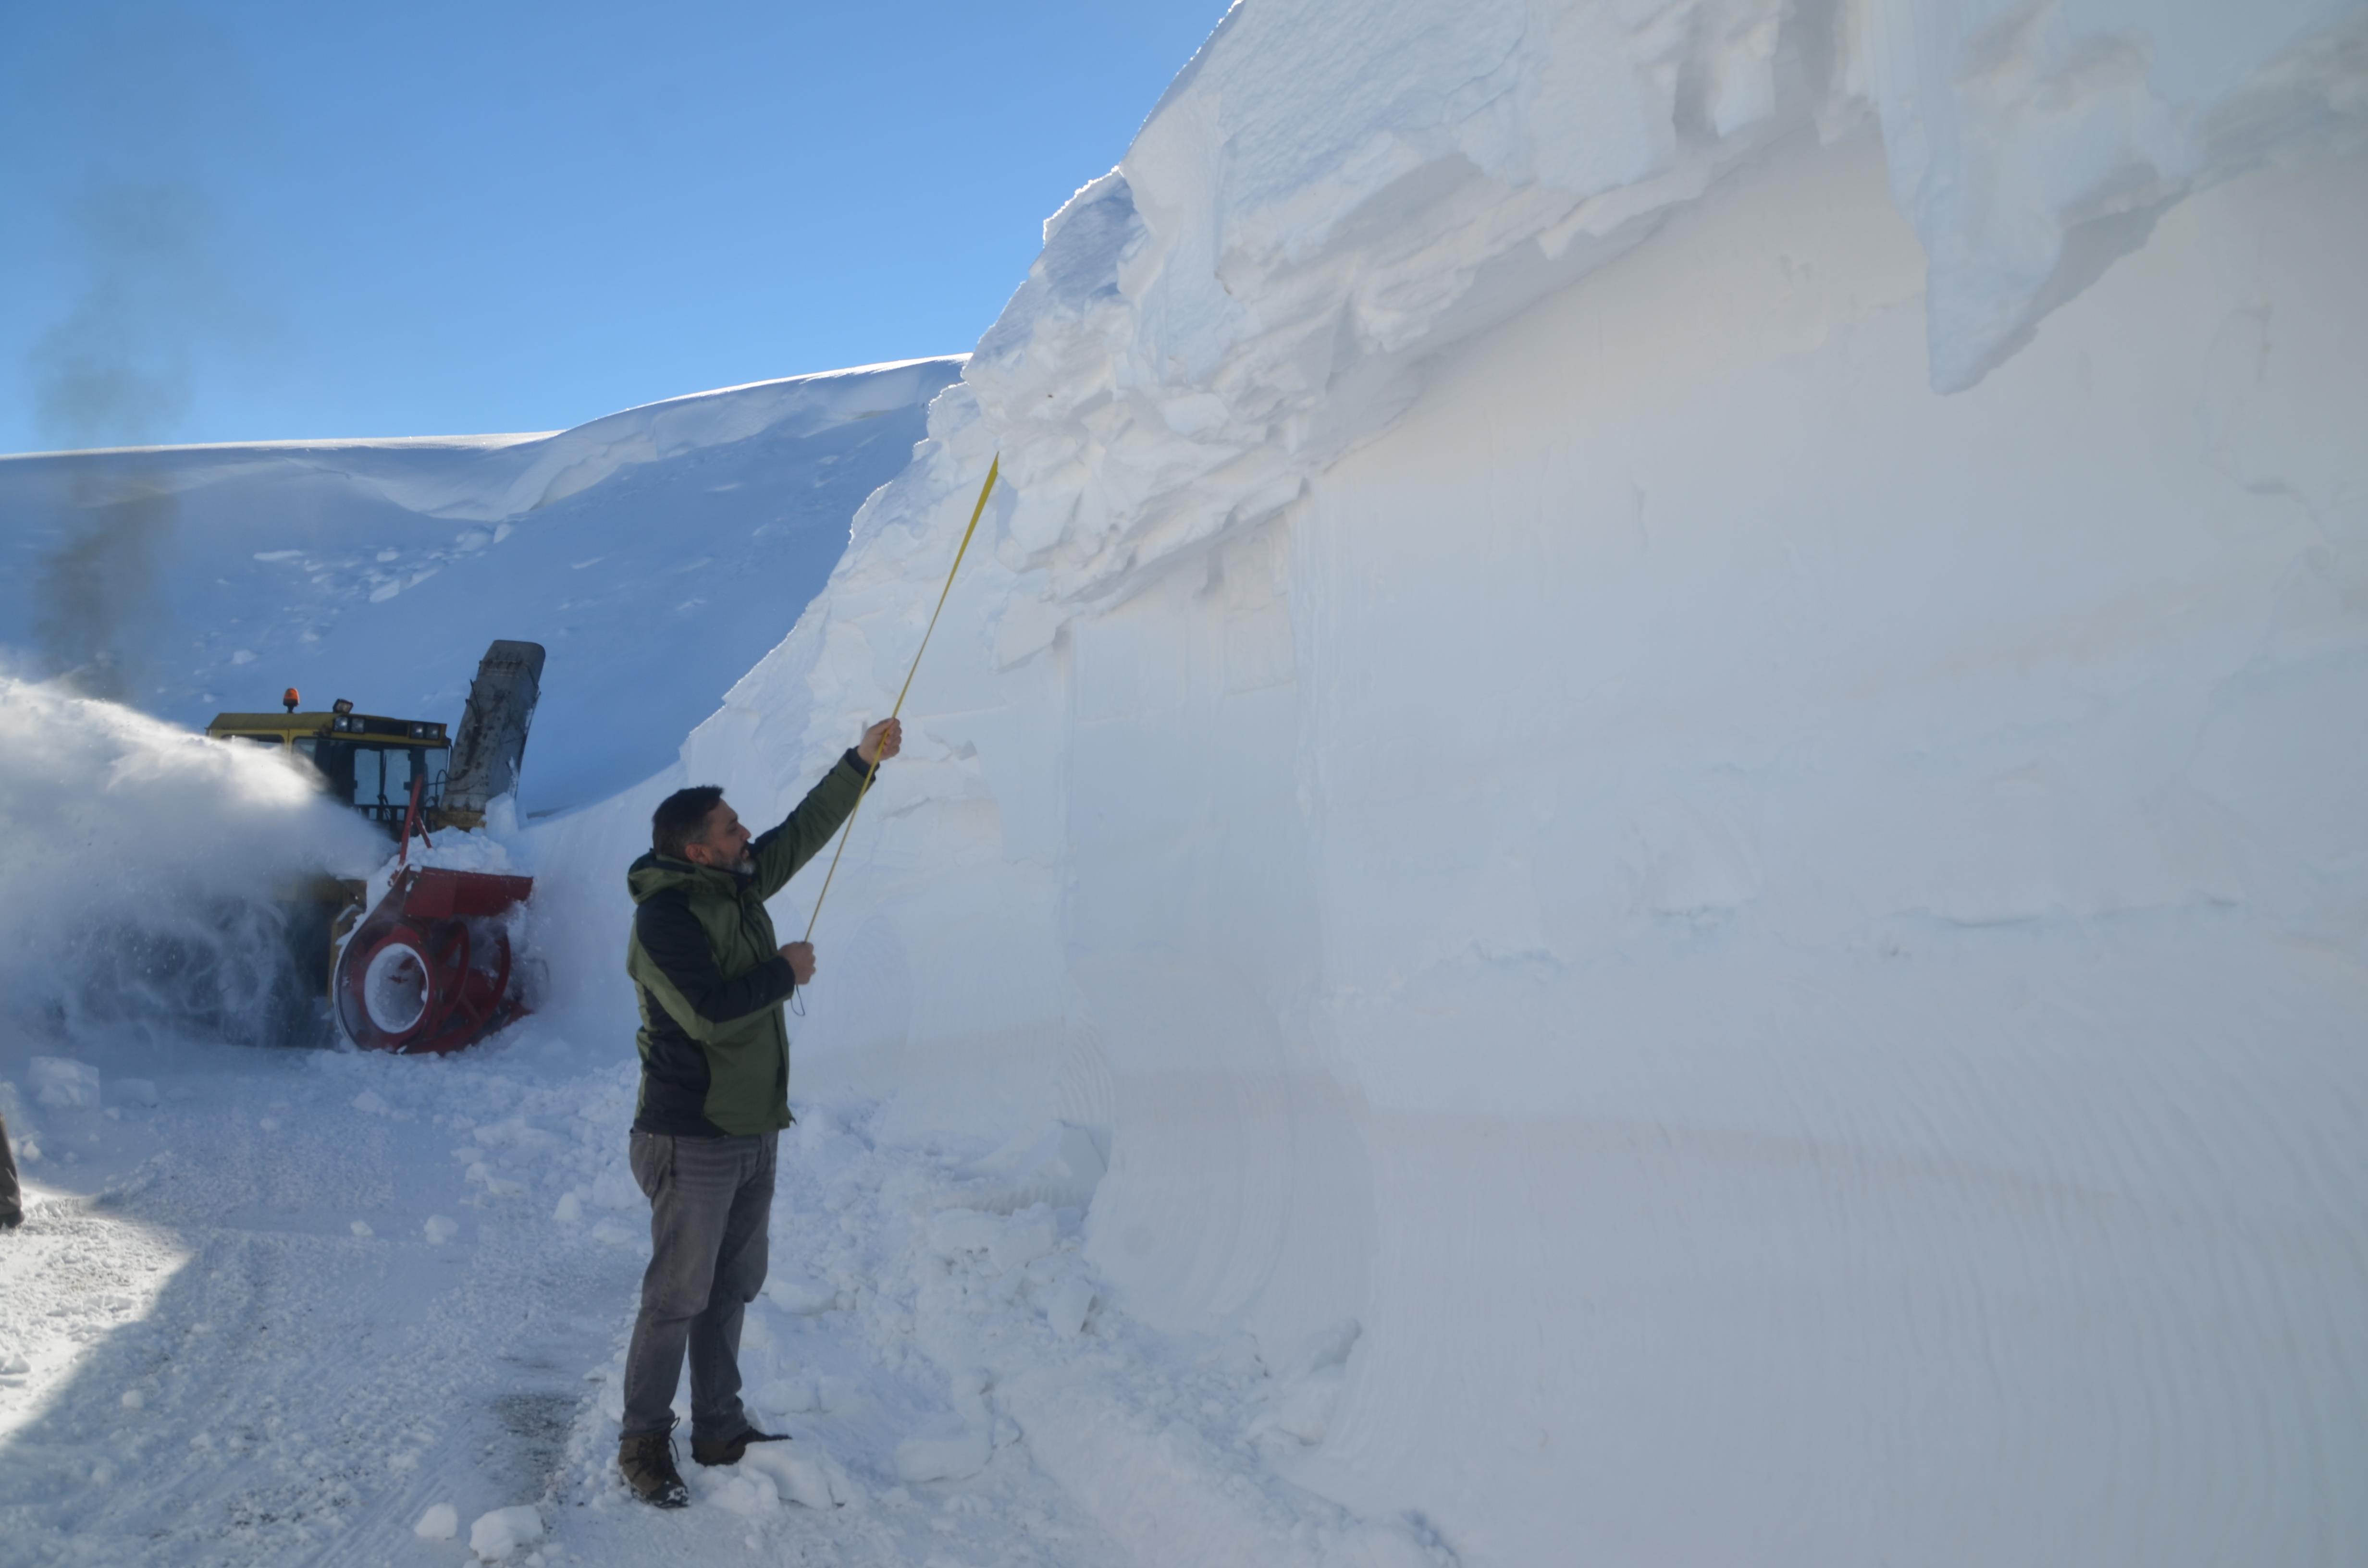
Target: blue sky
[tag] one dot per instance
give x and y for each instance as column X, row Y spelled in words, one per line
column 274, row 220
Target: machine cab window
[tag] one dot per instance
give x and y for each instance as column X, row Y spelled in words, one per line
column 375, row 776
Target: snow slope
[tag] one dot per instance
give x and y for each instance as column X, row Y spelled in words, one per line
column 1634, row 841
column 206, row 578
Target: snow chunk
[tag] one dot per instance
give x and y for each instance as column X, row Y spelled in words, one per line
column 1306, row 1411
column 441, row 1521
column 1061, row 1169
column 748, row 1496
column 58, row 1081
column 808, row 1482
column 943, row 1459
column 495, row 1535
column 950, row 1457
column 1009, row 1244
column 801, row 1296
column 1067, row 1305
column 440, row 1230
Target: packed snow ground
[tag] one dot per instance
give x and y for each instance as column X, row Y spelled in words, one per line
column 348, row 1291
column 282, row 1307
column 1637, row 841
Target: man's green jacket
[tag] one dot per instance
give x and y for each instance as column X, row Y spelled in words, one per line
column 715, row 1054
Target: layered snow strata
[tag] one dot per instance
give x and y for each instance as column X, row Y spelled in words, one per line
column 2034, row 142
column 1335, row 189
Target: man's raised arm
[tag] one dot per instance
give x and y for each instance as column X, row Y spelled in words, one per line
column 802, row 835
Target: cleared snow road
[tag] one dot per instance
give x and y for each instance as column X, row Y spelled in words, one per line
column 280, row 1314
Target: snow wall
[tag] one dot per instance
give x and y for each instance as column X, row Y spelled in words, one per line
column 1662, row 720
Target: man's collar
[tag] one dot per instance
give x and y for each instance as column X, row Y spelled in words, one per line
column 743, row 872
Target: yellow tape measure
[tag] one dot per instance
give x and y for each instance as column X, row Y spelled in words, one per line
column 975, row 513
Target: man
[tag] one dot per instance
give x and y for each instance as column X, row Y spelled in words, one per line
column 715, row 1086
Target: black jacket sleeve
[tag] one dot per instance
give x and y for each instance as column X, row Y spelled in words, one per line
column 677, row 943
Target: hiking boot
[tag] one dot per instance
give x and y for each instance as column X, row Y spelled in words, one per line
column 727, row 1451
column 647, row 1461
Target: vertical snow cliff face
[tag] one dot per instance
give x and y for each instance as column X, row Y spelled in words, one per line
column 1731, row 957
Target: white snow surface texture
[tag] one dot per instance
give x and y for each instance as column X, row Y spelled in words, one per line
column 215, row 577
column 1636, row 840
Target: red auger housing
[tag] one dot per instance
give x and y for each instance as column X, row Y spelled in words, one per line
column 429, row 969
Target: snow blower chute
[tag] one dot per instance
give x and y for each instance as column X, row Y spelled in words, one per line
column 430, row 967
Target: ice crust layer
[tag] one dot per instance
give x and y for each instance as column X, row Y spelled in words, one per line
column 1661, row 721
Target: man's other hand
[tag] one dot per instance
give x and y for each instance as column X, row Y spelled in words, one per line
column 801, row 957
column 882, row 741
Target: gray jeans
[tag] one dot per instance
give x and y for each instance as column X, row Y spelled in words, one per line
column 711, row 1203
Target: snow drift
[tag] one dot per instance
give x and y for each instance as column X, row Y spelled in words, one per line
column 656, row 552
column 1662, row 726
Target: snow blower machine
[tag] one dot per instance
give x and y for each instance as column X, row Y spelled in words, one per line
column 429, row 967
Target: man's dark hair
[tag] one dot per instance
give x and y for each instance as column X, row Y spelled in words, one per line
column 681, row 818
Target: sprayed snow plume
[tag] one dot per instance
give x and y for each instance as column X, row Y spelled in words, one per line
column 144, row 872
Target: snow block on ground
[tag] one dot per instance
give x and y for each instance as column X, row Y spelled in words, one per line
column 502, row 1531
column 58, row 1081
column 943, row 1459
column 802, row 1479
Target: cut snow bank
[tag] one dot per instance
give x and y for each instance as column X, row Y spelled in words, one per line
column 1721, row 956
column 1337, row 189
column 656, row 553
column 140, row 872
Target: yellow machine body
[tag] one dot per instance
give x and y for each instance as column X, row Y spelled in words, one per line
column 363, row 760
